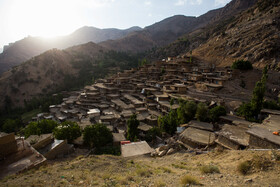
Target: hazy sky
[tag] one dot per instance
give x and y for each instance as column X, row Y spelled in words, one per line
column 20, row 18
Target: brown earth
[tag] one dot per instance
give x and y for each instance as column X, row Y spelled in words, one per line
column 108, row 170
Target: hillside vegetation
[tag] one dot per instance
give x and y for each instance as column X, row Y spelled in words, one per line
column 212, row 169
column 58, row 70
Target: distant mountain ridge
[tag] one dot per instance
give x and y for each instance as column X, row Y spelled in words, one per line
column 166, row 31
column 28, row 47
column 133, row 39
column 251, row 32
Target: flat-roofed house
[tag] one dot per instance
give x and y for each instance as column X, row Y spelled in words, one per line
column 196, row 138
column 136, row 149
column 233, row 137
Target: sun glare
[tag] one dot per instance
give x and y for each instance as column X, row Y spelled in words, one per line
column 47, row 18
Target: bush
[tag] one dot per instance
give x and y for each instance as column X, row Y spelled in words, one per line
column 41, row 127
column 216, row 112
column 244, row 167
column 97, row 135
column 257, row 163
column 189, row 180
column 242, row 65
column 209, row 169
column 201, row 112
column 67, row 130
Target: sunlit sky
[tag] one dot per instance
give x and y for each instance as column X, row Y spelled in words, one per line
column 48, row 18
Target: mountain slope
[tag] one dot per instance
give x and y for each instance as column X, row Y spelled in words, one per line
column 26, row 48
column 168, row 30
column 108, row 170
column 253, row 35
column 58, row 70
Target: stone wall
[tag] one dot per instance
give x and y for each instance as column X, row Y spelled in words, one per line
column 8, row 145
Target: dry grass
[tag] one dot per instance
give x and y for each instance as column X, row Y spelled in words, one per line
column 160, row 183
column 257, row 163
column 144, row 172
column 106, row 170
column 209, row 169
column 189, row 180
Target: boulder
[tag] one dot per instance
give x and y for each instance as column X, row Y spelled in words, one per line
column 162, row 153
column 163, row 148
column 170, row 151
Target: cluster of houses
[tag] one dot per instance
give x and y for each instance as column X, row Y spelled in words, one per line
column 147, row 92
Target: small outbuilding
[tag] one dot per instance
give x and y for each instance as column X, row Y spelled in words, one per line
column 136, row 149
column 196, row 138
column 233, row 137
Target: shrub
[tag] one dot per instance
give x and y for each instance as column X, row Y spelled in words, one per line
column 97, row 135
column 244, row 167
column 67, row 130
column 216, row 112
column 41, row 127
column 242, row 65
column 189, row 180
column 209, row 169
column 201, row 112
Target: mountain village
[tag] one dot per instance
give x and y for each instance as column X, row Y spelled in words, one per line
column 146, row 91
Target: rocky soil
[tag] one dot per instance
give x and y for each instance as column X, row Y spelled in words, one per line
column 109, row 170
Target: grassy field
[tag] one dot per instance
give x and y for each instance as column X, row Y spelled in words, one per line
column 180, row 169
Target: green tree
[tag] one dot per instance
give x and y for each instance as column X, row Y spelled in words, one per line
column 67, row 130
column 246, row 110
column 216, row 112
column 186, row 111
column 41, row 127
column 258, row 93
column 242, row 65
column 132, row 128
column 152, row 134
column 251, row 110
column 11, row 125
column 97, row 135
column 169, row 122
column 202, row 112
